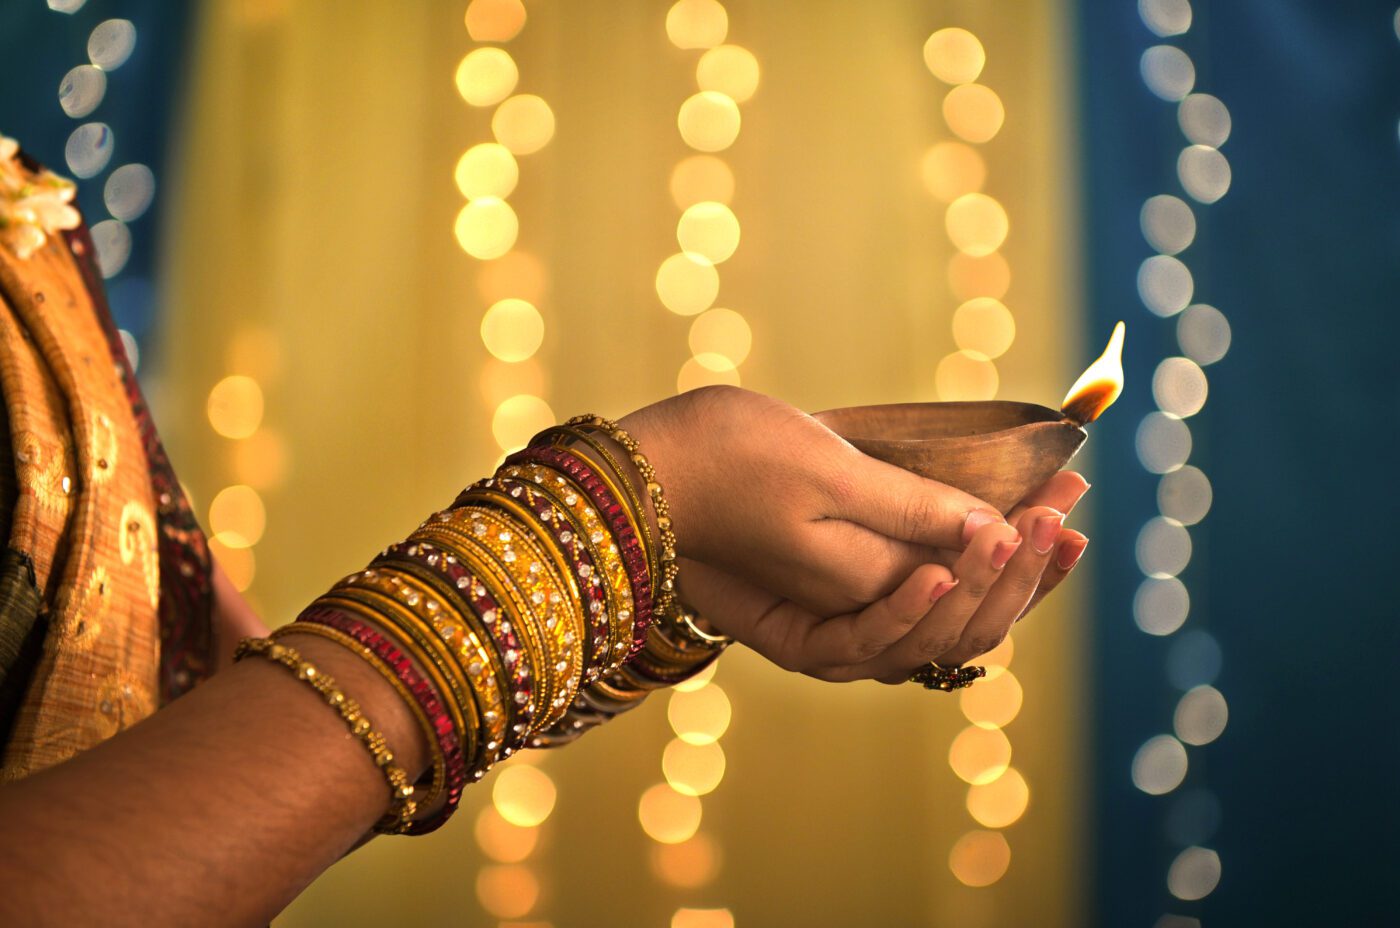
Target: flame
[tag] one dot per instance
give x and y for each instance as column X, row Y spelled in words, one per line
column 1099, row 385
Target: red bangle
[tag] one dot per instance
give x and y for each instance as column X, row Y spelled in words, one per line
column 449, row 742
column 629, row 547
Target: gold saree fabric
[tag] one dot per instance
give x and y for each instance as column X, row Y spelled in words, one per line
column 82, row 580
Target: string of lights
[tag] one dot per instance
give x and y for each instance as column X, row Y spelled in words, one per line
column 1162, row 604
column 954, row 174
column 512, row 283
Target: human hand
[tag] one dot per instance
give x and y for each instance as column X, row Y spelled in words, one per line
column 919, row 621
column 767, row 494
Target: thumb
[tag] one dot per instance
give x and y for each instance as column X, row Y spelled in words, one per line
column 902, row 505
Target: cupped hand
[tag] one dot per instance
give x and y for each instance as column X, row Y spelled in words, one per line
column 765, row 493
column 940, row 613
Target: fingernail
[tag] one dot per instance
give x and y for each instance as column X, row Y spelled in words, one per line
column 1002, row 553
column 940, row 590
column 1045, row 531
column 976, row 519
column 1070, row 552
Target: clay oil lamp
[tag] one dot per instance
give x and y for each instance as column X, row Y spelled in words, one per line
column 998, row 451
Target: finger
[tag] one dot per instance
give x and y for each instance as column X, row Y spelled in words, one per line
column 1062, row 491
column 835, row 645
column 941, row 627
column 1067, row 553
column 1012, row 592
column 866, row 566
column 902, row 505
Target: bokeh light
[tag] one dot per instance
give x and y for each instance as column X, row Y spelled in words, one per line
column 495, row 20
column 979, row 755
column 1179, row 386
column 1194, row 659
column 235, row 406
column 487, row 228
column 1203, row 333
column 1204, row 120
column 1159, row 765
column 709, row 121
column 964, row 375
column 697, row 23
column 954, row 55
column 502, row 841
column 1161, row 605
column 688, row 865
column 487, row 170
column 974, row 112
column 1201, row 715
column 112, row 239
column 523, row 123
column 983, row 325
column 1163, row 442
column 1168, row 224
column 970, row 277
column 1194, row 873
column 81, row 90
column 977, row 224
column 1164, row 284
column 88, row 149
column 699, row 178
column 980, row 858
column 697, row 681
column 507, row 890
column 951, row 169
column 730, row 70
column 699, row 716
column 1166, row 17
column 523, row 795
column 487, row 76
column 1204, row 173
column 512, row 330
column 994, row 702
column 1001, row 802
column 693, row 769
column 710, row 230
column 687, row 284
column 721, row 332
column 1185, row 495
column 1168, row 72
column 129, row 191
column 237, row 515
column 668, row 816
column 518, row 418
column 111, row 43
column 1163, row 548
column 702, row 918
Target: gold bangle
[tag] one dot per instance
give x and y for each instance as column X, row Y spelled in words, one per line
column 401, row 805
column 434, row 655
column 439, row 765
column 607, row 557
column 558, row 616
column 637, row 512
column 493, row 577
column 598, row 630
column 668, row 569
column 447, row 628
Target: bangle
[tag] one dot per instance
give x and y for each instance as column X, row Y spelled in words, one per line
column 401, row 804
column 449, row 765
column 667, row 558
column 595, row 534
column 439, row 763
column 633, row 556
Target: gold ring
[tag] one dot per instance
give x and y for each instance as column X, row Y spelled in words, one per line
column 947, row 679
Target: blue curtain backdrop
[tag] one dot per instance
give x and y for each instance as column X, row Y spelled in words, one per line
column 39, row 45
column 1293, row 615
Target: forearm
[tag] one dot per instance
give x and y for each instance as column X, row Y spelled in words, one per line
column 218, row 810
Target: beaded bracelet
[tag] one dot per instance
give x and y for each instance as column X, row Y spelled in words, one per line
column 439, row 758
column 401, row 804
column 667, row 559
column 354, row 633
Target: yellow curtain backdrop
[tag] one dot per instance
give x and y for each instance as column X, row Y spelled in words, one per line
column 323, row 385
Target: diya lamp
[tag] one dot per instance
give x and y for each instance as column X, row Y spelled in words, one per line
column 996, row 450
